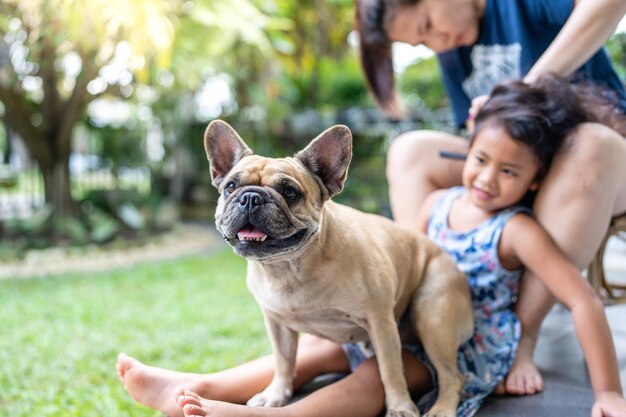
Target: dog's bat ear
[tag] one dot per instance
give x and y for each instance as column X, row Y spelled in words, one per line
column 328, row 156
column 224, row 148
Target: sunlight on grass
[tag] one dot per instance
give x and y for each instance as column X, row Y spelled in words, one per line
column 60, row 336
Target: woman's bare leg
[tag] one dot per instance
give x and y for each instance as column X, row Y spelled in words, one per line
column 586, row 186
column 359, row 394
column 415, row 169
column 156, row 387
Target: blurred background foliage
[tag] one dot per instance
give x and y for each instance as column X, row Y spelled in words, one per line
column 104, row 104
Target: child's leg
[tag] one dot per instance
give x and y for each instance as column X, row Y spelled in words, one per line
column 359, row 394
column 155, row 387
column 586, row 181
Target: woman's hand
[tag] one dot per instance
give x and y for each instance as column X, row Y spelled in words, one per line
column 609, row 404
column 477, row 104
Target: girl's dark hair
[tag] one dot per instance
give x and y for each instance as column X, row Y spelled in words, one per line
column 542, row 114
column 371, row 19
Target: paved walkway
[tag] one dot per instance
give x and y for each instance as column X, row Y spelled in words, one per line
column 184, row 239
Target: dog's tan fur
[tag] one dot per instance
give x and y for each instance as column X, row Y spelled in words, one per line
column 350, row 277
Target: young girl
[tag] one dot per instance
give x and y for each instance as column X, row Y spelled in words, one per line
column 481, row 226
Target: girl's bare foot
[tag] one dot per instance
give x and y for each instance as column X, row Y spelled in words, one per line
column 524, row 378
column 193, row 405
column 155, row 387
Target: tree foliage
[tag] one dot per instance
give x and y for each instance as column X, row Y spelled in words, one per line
column 60, row 55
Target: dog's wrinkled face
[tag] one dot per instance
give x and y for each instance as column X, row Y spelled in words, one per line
column 265, row 210
column 270, row 208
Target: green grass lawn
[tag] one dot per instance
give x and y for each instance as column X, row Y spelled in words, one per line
column 60, row 336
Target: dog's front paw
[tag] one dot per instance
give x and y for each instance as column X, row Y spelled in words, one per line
column 403, row 411
column 270, row 398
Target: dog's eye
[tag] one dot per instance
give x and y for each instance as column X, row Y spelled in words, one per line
column 290, row 193
column 229, row 188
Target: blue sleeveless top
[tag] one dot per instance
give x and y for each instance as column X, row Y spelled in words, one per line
column 486, row 358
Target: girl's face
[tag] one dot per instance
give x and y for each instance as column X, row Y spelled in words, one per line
column 439, row 24
column 499, row 170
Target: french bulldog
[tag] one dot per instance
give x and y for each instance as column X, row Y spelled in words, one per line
column 319, row 267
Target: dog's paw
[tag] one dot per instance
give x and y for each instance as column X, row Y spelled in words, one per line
column 268, row 398
column 403, row 412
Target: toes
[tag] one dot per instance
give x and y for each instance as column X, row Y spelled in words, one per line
column 500, row 390
column 193, row 395
column 521, row 385
column 513, row 385
column 123, row 365
column 124, row 362
column 179, row 392
column 524, row 385
column 538, row 384
column 193, row 410
column 188, row 398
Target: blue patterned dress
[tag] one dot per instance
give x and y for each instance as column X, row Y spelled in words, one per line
column 486, row 358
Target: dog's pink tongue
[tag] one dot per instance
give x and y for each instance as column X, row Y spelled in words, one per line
column 250, row 233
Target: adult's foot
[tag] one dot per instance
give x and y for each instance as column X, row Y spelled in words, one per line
column 155, row 387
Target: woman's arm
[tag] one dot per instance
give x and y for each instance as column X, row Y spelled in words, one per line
column 523, row 238
column 588, row 27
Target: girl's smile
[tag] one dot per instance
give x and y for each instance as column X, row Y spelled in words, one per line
column 482, row 194
column 499, row 170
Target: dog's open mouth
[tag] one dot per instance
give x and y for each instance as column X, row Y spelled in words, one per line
column 251, row 233
column 254, row 239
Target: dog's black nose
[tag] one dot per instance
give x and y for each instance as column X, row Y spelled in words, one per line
column 250, row 199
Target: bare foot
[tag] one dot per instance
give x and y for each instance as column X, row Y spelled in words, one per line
column 154, row 387
column 193, row 405
column 524, row 378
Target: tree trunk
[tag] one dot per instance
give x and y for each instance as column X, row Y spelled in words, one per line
column 57, row 186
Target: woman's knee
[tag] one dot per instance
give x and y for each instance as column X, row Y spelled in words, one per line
column 589, row 166
column 417, row 152
column 407, row 148
column 593, row 147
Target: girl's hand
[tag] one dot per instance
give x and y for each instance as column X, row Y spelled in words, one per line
column 477, row 104
column 609, row 404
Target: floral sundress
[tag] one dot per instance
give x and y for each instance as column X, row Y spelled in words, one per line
column 486, row 358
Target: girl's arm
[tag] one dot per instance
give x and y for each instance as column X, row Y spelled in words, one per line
column 427, row 209
column 525, row 240
column 588, row 27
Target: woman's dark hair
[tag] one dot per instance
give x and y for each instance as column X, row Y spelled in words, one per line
column 542, row 114
column 372, row 17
